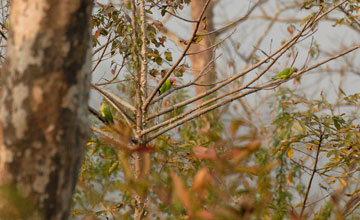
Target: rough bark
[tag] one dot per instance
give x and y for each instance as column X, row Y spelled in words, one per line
column 43, row 107
column 200, row 60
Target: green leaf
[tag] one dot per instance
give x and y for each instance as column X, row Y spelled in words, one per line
column 113, row 167
column 342, row 91
column 198, row 39
column 149, row 55
column 349, row 138
column 168, row 56
column 163, row 12
column 307, row 18
column 159, row 61
column 338, row 22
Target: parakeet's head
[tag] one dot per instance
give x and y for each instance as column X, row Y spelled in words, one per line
column 295, row 69
column 172, row 80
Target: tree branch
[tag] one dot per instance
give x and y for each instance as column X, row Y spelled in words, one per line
column 102, row 54
column 136, row 69
column 114, row 98
column 143, row 71
column 116, row 141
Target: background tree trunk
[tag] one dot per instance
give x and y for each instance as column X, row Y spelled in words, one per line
column 199, row 60
column 43, row 108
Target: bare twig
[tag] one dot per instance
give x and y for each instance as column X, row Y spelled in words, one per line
column 172, row 35
column 107, row 43
column 115, row 77
column 233, row 23
column 177, row 16
column 215, row 45
column 3, row 35
column 312, row 174
column 102, row 54
column 327, row 60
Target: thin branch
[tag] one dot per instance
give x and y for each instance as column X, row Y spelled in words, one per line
column 173, row 14
column 119, row 143
column 215, row 45
column 113, row 82
column 312, row 174
column 97, row 115
column 262, row 36
column 233, row 23
column 181, row 18
column 115, row 77
column 351, row 17
column 325, row 61
column 172, row 35
column 351, row 206
column 101, row 47
column 153, row 93
column 102, row 54
column 114, row 97
column 3, row 35
column 330, row 10
column 199, row 113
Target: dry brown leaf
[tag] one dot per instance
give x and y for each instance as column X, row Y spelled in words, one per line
column 182, row 193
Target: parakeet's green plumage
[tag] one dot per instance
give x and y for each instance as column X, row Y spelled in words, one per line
column 106, row 113
column 166, row 86
column 285, row 73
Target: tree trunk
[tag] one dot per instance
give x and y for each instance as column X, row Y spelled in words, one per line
column 200, row 60
column 43, row 107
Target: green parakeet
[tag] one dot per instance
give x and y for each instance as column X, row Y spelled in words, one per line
column 167, row 85
column 106, row 113
column 285, row 73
